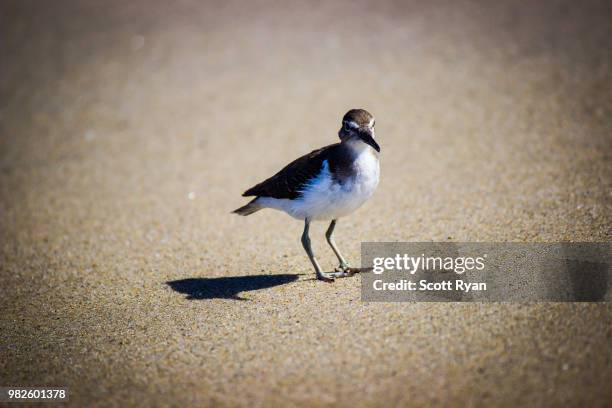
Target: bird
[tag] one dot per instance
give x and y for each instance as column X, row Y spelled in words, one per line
column 325, row 185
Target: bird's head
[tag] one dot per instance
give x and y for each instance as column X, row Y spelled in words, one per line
column 358, row 124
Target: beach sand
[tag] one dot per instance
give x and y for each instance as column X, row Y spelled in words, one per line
column 128, row 131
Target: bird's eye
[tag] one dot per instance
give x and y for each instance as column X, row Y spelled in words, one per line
column 373, row 123
column 347, row 127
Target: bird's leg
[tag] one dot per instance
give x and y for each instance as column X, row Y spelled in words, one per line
column 306, row 244
column 344, row 267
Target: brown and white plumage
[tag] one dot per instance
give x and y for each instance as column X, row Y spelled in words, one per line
column 325, row 184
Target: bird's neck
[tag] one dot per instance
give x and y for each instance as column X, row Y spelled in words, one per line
column 357, row 146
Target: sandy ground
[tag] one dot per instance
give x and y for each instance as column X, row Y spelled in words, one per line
column 129, row 130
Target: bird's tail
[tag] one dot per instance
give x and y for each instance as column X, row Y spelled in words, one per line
column 248, row 209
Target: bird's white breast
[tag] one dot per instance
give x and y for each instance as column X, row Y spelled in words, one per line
column 326, row 198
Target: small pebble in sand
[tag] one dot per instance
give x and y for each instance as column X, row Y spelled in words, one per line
column 90, row 135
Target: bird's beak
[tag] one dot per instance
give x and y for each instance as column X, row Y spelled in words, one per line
column 367, row 135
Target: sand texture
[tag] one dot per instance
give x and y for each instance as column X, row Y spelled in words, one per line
column 128, row 131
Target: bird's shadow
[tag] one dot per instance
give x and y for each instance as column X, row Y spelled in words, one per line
column 227, row 287
column 230, row 287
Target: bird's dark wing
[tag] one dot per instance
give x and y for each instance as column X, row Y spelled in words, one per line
column 291, row 180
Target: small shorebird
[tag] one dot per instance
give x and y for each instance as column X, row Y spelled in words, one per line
column 325, row 184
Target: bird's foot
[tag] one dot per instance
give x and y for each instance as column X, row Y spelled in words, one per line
column 343, row 270
column 325, row 277
column 340, row 274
